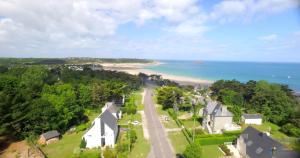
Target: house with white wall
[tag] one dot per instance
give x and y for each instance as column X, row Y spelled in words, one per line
column 103, row 132
column 216, row 117
column 254, row 119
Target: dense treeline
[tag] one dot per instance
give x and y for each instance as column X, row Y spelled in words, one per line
column 276, row 102
column 36, row 99
column 57, row 61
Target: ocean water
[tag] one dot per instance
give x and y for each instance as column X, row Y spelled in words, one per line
column 283, row 73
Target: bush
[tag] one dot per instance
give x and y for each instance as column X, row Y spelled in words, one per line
column 225, row 149
column 232, row 133
column 82, row 143
column 109, row 153
column 199, row 132
column 193, row 151
column 132, row 135
column 81, row 127
column 290, row 130
column 214, row 140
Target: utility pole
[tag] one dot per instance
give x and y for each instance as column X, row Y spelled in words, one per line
column 194, row 116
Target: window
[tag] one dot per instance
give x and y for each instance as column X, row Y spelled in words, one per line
column 259, row 150
column 249, row 143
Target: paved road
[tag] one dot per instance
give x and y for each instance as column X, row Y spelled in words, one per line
column 160, row 146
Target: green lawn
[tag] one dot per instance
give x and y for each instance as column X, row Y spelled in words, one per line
column 266, row 126
column 138, row 99
column 68, row 146
column 190, row 123
column 211, row 151
column 178, row 141
column 142, row 146
column 126, row 118
column 167, row 124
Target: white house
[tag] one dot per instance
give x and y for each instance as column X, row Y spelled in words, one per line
column 252, row 119
column 103, row 132
column 113, row 109
column 216, row 118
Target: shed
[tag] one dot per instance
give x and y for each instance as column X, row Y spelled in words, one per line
column 252, row 119
column 49, row 137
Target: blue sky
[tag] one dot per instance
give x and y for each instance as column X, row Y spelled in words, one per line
column 231, row 30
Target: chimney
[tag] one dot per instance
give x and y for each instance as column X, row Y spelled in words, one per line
column 223, row 110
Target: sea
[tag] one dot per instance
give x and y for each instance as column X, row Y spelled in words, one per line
column 283, row 73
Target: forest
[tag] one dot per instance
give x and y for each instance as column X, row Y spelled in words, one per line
column 35, row 99
column 275, row 101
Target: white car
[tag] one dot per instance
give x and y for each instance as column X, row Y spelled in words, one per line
column 135, row 123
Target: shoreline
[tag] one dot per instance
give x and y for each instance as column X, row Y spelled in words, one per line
column 136, row 68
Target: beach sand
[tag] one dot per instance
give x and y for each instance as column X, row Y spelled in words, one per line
column 136, row 68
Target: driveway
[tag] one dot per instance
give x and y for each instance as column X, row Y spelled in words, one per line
column 160, row 146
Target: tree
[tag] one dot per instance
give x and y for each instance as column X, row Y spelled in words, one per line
column 237, row 113
column 83, row 143
column 193, row 150
column 32, row 81
column 63, row 98
column 84, row 95
column 169, row 96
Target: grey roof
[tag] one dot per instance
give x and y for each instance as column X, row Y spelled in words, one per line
column 112, row 107
column 252, row 116
column 51, row 134
column 211, row 105
column 221, row 111
column 259, row 145
column 109, row 119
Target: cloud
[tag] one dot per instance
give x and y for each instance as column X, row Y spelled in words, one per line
column 247, row 10
column 269, row 38
column 82, row 27
column 169, row 10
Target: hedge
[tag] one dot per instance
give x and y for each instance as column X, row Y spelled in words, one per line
column 215, row 140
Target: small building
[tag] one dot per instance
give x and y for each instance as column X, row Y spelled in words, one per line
column 49, row 137
column 255, row 119
column 95, row 67
column 216, row 117
column 255, row 144
column 103, row 132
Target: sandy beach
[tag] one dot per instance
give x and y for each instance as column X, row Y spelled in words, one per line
column 136, row 68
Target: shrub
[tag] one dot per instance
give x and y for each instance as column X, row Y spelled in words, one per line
column 82, row 143
column 225, row 149
column 132, row 135
column 199, row 132
column 290, row 130
column 214, row 140
column 193, row 150
column 81, row 127
column 232, row 133
column 109, row 153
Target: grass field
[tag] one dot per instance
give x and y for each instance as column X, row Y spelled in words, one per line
column 211, row 151
column 142, row 146
column 68, row 146
column 178, row 141
column 190, row 123
column 266, row 127
column 167, row 124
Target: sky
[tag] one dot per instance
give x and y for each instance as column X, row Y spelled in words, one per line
column 228, row 30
